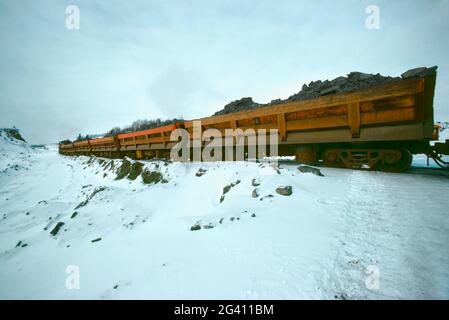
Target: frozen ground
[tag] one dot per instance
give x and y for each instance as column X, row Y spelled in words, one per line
column 320, row 242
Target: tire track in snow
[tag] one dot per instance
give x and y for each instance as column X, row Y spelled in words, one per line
column 396, row 223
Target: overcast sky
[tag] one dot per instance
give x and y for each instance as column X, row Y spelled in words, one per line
column 142, row 59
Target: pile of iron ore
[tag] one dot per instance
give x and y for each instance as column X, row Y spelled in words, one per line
column 352, row 82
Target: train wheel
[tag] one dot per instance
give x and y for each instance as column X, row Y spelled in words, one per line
column 305, row 155
column 332, row 159
column 392, row 163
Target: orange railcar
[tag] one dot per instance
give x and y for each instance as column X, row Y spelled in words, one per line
column 379, row 127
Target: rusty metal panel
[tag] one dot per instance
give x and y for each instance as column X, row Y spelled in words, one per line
column 403, row 132
column 390, row 90
column 389, row 116
column 354, row 119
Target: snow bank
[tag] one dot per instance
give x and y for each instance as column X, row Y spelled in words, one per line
column 202, row 232
column 14, row 151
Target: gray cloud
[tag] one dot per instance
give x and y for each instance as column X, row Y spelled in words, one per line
column 182, row 93
column 147, row 59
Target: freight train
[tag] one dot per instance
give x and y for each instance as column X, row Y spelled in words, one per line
column 379, row 128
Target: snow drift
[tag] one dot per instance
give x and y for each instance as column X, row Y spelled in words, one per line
column 244, row 230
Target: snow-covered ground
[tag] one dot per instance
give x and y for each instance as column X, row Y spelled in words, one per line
column 329, row 239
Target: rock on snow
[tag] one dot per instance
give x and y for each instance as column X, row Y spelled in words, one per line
column 319, row 242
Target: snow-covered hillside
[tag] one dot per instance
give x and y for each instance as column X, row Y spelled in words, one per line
column 217, row 230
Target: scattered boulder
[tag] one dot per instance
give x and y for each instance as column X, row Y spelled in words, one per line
column 55, row 230
column 21, row 244
column 195, row 227
column 255, row 193
column 124, row 169
column 150, row 177
column 233, row 184
column 208, row 226
column 74, row 214
column 226, row 189
column 308, row 169
column 82, row 204
column 96, row 240
column 201, row 172
column 285, row 190
column 267, row 197
column 253, row 215
column 135, row 171
column 255, row 183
